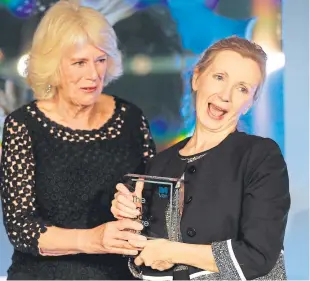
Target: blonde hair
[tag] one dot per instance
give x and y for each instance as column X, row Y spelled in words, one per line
column 244, row 47
column 64, row 25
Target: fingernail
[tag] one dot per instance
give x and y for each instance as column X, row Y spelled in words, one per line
column 142, row 238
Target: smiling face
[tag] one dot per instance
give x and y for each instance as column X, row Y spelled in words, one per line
column 225, row 90
column 82, row 70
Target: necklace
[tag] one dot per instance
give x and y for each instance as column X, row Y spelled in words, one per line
column 194, row 158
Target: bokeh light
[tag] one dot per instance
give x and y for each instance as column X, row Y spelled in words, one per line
column 141, row 65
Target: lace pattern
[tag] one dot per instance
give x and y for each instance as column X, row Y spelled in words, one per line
column 18, row 195
column 148, row 149
column 53, row 175
column 110, row 130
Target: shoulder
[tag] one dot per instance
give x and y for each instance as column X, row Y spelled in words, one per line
column 262, row 157
column 255, row 146
column 262, row 147
column 19, row 115
column 128, row 106
column 132, row 115
column 16, row 123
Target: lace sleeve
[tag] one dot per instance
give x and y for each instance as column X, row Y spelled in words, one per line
column 149, row 148
column 20, row 217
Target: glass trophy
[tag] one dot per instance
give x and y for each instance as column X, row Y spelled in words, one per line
column 160, row 201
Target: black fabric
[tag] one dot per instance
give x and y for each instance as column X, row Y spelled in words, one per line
column 237, row 193
column 53, row 175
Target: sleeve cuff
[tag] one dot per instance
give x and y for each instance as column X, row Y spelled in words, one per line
column 133, row 269
column 226, row 261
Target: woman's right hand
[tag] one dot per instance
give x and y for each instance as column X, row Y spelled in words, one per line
column 112, row 238
column 126, row 204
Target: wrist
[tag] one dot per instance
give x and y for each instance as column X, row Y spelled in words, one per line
column 82, row 238
column 199, row 256
column 89, row 241
column 95, row 237
column 175, row 250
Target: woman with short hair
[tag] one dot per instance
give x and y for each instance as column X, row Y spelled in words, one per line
column 236, row 189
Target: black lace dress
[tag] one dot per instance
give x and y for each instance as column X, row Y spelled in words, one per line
column 53, row 175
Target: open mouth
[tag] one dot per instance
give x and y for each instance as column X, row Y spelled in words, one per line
column 216, row 112
column 89, row 89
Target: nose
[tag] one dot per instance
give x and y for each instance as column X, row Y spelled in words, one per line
column 225, row 93
column 92, row 73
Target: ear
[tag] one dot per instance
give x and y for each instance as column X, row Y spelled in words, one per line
column 194, row 80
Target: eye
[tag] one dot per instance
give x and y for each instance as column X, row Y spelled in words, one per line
column 80, row 63
column 102, row 60
column 218, row 77
column 243, row 90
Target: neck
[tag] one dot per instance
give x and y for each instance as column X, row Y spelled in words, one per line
column 78, row 115
column 204, row 139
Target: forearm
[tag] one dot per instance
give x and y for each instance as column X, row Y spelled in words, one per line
column 60, row 241
column 199, row 256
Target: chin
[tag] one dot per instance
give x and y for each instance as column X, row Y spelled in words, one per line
column 212, row 125
column 88, row 100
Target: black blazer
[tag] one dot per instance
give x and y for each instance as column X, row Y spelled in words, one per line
column 237, row 200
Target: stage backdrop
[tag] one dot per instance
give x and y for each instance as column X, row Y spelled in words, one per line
column 161, row 40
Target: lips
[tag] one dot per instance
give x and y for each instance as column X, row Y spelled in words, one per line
column 89, row 89
column 216, row 112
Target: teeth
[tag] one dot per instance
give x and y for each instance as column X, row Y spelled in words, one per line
column 215, row 111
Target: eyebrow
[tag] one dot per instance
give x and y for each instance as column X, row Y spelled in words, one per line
column 102, row 57
column 249, row 84
column 85, row 59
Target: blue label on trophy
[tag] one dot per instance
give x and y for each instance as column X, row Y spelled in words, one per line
column 163, row 191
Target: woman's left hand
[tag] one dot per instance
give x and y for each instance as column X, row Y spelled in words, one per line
column 156, row 254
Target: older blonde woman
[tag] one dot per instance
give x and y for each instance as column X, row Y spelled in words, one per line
column 236, row 191
column 64, row 153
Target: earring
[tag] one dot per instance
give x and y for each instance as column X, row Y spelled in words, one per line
column 245, row 111
column 48, row 88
